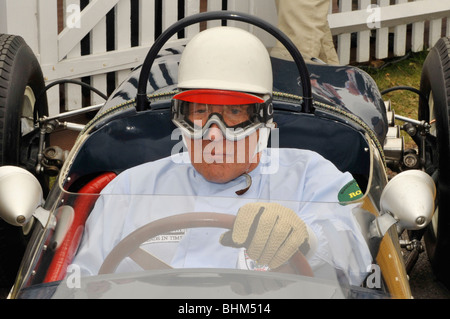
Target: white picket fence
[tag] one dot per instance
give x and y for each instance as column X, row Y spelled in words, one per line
column 399, row 24
column 118, row 33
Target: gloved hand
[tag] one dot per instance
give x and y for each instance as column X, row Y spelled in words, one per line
column 271, row 233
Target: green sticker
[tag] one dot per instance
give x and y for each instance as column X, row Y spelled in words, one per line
column 350, row 192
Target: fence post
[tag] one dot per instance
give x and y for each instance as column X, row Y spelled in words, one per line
column 400, row 36
column 23, row 23
column 418, row 29
column 434, row 33
column 98, row 35
column 123, row 34
column 192, row 7
column 344, row 40
column 382, row 39
column 73, row 93
column 48, row 45
column 146, row 22
column 363, row 37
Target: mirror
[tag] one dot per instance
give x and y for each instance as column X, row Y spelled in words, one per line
column 409, row 199
column 20, row 195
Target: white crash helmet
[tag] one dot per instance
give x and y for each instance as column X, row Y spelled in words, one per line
column 203, row 65
column 224, row 66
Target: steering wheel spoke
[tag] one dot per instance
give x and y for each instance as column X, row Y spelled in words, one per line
column 148, row 261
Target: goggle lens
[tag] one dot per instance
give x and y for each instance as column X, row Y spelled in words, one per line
column 237, row 114
column 232, row 115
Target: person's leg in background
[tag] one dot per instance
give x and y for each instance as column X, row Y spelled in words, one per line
column 305, row 22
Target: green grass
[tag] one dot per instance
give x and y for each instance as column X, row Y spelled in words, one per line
column 401, row 72
column 405, row 72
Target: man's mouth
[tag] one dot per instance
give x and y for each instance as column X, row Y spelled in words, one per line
column 214, row 157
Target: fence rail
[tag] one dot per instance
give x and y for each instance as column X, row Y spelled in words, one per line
column 393, row 26
column 99, row 41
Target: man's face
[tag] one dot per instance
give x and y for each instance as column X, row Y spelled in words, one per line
column 217, row 159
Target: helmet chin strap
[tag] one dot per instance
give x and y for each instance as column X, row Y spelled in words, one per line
column 263, row 140
column 249, row 184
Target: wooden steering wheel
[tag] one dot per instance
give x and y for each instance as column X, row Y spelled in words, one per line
column 130, row 245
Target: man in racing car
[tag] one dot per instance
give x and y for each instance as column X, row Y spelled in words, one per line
column 224, row 112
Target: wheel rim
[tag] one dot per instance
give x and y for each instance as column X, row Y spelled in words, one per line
column 26, row 118
column 433, row 132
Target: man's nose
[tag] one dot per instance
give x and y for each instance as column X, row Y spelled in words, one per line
column 213, row 133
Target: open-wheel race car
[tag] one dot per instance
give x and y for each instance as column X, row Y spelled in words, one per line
column 336, row 111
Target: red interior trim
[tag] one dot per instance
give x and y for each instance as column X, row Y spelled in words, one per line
column 82, row 207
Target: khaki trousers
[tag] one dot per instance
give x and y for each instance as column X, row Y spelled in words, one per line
column 305, row 22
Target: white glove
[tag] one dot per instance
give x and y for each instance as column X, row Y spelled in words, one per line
column 271, row 233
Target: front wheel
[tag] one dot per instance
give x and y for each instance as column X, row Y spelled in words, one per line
column 435, row 84
column 21, row 82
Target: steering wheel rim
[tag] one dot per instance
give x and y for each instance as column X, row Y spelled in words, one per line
column 182, row 221
column 142, row 102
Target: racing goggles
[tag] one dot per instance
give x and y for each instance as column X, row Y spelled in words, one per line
column 236, row 114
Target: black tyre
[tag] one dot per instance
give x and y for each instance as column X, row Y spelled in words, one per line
column 435, row 84
column 21, row 82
